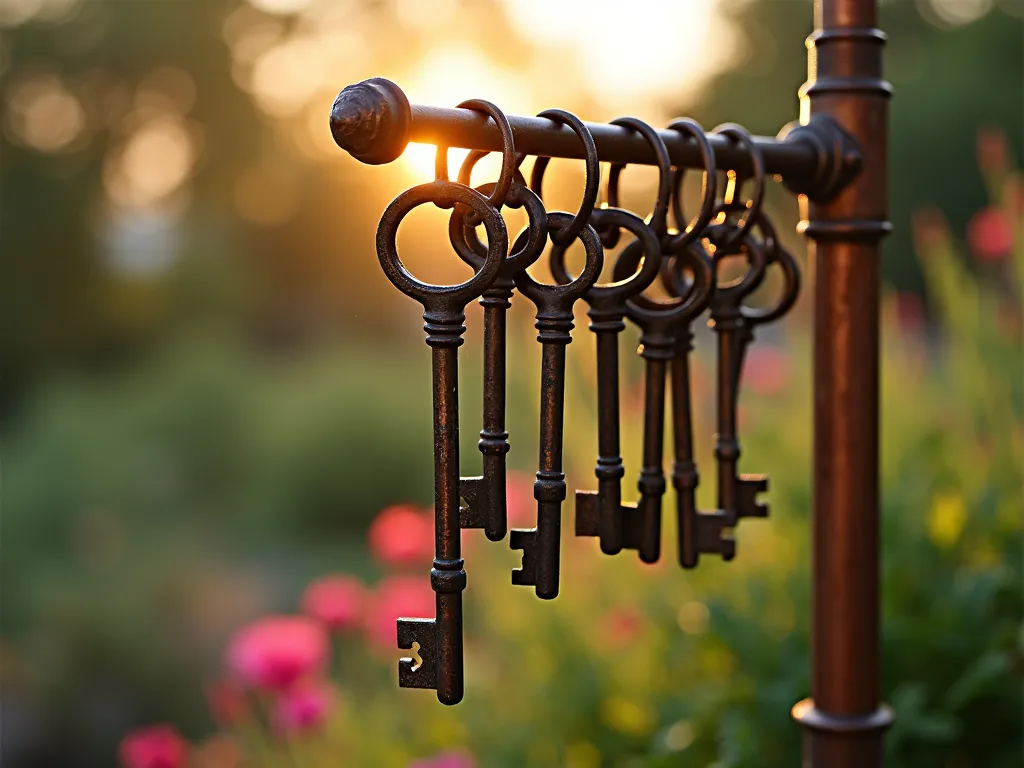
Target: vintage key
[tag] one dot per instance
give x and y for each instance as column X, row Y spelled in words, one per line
column 439, row 640
column 607, row 310
column 707, row 532
column 737, row 494
column 554, row 323
column 484, row 497
column 698, row 532
column 658, row 322
column 748, row 486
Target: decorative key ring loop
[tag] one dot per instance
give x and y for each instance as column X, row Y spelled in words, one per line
column 475, row 156
column 644, row 309
column 444, row 194
column 471, row 250
column 757, row 259
column 659, row 214
column 718, row 234
column 630, row 284
column 508, row 151
column 540, row 293
column 466, row 174
column 776, row 254
column 688, row 232
column 741, row 136
column 565, row 235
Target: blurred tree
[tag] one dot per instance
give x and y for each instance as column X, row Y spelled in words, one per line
column 89, row 99
column 949, row 83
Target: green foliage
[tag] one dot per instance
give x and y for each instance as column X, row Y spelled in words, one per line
column 149, row 511
column 142, row 513
column 641, row 665
column 936, row 109
column 215, row 485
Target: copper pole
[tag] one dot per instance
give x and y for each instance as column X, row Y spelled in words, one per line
column 844, row 722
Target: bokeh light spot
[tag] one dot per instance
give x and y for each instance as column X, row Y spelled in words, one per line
column 693, row 618
column 153, row 164
column 956, row 13
column 679, row 736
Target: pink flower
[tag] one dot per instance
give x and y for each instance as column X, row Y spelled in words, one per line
column 519, row 502
column 766, row 370
column 402, row 535
column 277, row 651
column 395, row 597
column 155, row 746
column 304, row 707
column 335, row 601
column 910, row 314
column 992, row 151
column 990, row 235
column 1014, row 191
column 929, row 228
column 227, row 701
column 451, row 759
column 621, row 626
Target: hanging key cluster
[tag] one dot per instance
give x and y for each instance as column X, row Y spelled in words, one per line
column 686, row 259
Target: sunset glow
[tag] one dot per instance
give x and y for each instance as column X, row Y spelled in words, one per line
column 450, row 75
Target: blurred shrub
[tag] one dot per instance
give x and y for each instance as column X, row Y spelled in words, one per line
column 146, row 516
column 649, row 665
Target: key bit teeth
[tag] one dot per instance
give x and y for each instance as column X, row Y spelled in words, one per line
column 587, row 513
column 714, row 536
column 525, row 540
column 748, row 488
column 419, row 636
column 471, row 513
column 727, row 546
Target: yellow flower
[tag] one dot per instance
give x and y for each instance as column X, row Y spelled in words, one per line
column 946, row 519
column 627, row 716
column 582, row 754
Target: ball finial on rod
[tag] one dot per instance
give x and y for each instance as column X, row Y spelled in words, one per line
column 370, row 120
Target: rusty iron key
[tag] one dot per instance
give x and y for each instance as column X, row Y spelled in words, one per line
column 658, row 321
column 607, row 311
column 737, row 494
column 484, row 503
column 438, row 641
column 748, row 486
column 734, row 323
column 698, row 531
column 554, row 323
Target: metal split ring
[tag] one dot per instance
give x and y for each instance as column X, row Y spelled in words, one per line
column 741, row 136
column 565, row 235
column 508, row 152
column 659, row 214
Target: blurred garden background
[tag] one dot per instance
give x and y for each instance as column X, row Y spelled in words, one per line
column 212, row 398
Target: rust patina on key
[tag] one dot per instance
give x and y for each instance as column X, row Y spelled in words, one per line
column 438, row 641
column 554, row 324
column 607, row 310
column 484, row 503
column 658, row 321
column 737, row 494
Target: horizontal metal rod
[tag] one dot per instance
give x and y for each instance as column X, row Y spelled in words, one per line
column 615, row 144
column 374, row 122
